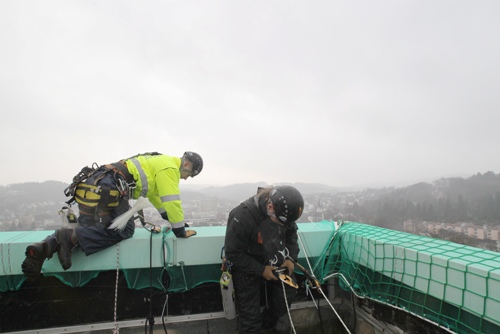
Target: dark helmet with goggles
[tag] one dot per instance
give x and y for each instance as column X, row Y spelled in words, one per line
column 288, row 203
column 196, row 161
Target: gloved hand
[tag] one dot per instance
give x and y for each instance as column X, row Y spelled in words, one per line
column 289, row 264
column 268, row 273
column 189, row 233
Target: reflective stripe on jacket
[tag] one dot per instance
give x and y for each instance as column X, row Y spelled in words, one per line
column 157, row 178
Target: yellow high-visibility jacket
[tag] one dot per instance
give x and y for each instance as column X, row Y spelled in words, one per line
column 157, row 178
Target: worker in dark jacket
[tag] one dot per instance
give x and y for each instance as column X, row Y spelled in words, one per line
column 259, row 232
column 103, row 194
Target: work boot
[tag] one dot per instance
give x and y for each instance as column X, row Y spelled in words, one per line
column 36, row 255
column 66, row 242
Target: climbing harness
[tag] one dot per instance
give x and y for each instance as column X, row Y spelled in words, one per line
column 94, row 199
column 84, row 174
column 91, row 196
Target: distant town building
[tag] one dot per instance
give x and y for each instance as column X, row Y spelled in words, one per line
column 480, row 232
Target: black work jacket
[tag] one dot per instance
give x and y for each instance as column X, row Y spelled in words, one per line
column 253, row 241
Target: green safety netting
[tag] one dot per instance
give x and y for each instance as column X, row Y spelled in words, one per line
column 452, row 285
column 185, row 278
column 172, row 279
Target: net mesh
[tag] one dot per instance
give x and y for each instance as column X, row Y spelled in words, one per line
column 452, row 285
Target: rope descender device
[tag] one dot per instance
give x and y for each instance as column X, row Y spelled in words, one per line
column 280, row 273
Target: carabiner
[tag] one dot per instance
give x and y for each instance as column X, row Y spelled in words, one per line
column 285, row 253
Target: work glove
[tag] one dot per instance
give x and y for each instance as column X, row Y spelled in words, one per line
column 268, row 273
column 181, row 232
column 189, row 233
column 289, row 264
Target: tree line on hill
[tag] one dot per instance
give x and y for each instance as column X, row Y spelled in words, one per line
column 16, row 197
column 448, row 200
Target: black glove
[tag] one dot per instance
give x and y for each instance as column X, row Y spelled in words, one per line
column 182, row 233
column 179, row 232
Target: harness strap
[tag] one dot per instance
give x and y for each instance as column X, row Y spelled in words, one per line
column 96, row 197
column 120, row 167
column 105, row 199
column 90, row 195
column 84, row 174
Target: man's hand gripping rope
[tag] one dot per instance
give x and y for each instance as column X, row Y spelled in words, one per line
column 313, row 281
column 273, row 273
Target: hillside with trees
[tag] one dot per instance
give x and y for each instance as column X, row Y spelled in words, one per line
column 448, row 200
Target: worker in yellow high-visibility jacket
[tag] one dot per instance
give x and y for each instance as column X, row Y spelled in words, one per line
column 103, row 195
column 157, row 178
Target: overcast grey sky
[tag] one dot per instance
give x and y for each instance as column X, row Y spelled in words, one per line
column 343, row 93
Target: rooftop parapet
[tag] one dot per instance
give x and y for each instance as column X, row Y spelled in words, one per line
column 167, row 251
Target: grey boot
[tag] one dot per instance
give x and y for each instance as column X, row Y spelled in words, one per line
column 67, row 241
column 36, row 255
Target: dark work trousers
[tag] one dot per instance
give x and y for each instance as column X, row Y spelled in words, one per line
column 248, row 292
column 93, row 233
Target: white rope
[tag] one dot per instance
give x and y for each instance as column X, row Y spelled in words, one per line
column 366, row 297
column 335, row 311
column 117, row 326
column 387, row 304
column 287, row 308
column 305, row 253
column 321, row 290
column 165, row 306
column 346, row 282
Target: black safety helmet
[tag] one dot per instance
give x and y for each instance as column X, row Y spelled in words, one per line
column 288, row 203
column 196, row 160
